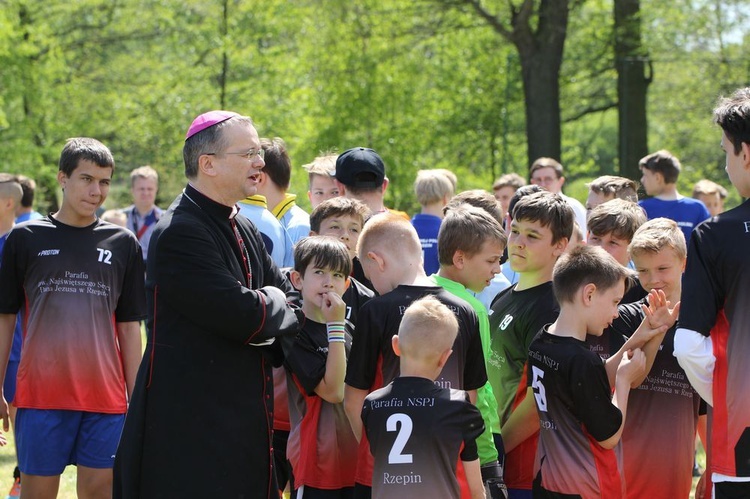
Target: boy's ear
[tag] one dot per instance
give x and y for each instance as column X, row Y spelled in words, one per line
column 458, row 259
column 587, row 293
column 377, row 259
column 296, row 279
column 746, row 154
column 312, row 233
column 560, row 246
column 396, row 347
column 444, row 358
column 61, row 178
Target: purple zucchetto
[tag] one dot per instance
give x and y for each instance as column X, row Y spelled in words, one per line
column 208, row 119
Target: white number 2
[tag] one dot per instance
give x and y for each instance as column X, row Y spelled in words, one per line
column 538, row 387
column 105, row 256
column 396, row 456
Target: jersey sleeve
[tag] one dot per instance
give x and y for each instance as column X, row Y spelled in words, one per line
column 131, row 305
column 703, row 296
column 362, row 365
column 475, row 372
column 548, row 314
column 12, row 271
column 473, row 428
column 306, row 362
column 592, row 400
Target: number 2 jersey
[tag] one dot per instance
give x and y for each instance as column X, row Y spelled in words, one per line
column 419, row 433
column 373, row 364
column 573, row 399
column 76, row 283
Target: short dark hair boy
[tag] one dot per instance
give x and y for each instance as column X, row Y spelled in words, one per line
column 321, row 448
column 541, row 227
column 570, row 384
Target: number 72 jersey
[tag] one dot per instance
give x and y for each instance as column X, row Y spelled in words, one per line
column 418, row 434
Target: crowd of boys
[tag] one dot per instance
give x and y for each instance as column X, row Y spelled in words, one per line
column 517, row 345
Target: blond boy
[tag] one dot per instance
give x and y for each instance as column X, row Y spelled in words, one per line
column 390, row 253
column 433, row 190
column 658, row 456
column 322, row 183
column 422, row 443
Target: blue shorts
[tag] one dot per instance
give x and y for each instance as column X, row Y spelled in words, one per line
column 49, row 440
column 9, row 386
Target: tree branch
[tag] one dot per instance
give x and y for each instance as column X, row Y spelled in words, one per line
column 590, row 110
column 493, row 21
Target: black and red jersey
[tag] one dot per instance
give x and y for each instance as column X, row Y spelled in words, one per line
column 657, row 456
column 75, row 284
column 322, row 447
column 716, row 302
column 373, row 364
column 420, row 433
column 573, row 399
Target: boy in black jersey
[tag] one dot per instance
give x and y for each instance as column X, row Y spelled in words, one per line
column 711, row 342
column 321, row 447
column 391, row 255
column 341, row 218
column 419, row 431
column 80, row 284
column 539, row 233
column 658, row 456
column 580, row 419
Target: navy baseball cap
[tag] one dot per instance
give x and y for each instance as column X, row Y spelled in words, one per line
column 360, row 167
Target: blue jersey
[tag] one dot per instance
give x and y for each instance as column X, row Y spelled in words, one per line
column 687, row 212
column 427, row 227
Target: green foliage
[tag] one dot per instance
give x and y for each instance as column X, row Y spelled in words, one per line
column 426, row 84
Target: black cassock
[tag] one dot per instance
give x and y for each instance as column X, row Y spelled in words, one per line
column 200, row 421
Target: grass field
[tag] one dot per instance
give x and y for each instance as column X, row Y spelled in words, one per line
column 68, row 480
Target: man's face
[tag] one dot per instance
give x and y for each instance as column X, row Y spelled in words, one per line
column 546, row 178
column 597, row 198
column 84, row 191
column 713, row 202
column 504, row 195
column 235, row 175
column 530, row 247
column 144, row 193
column 660, row 270
column 345, row 228
column 653, row 183
column 737, row 166
column 322, row 188
column 615, row 246
column 480, row 268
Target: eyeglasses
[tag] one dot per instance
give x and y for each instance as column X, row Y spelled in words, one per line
column 249, row 155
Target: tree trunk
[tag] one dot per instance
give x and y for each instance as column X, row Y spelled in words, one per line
column 632, row 86
column 540, row 51
column 542, row 91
